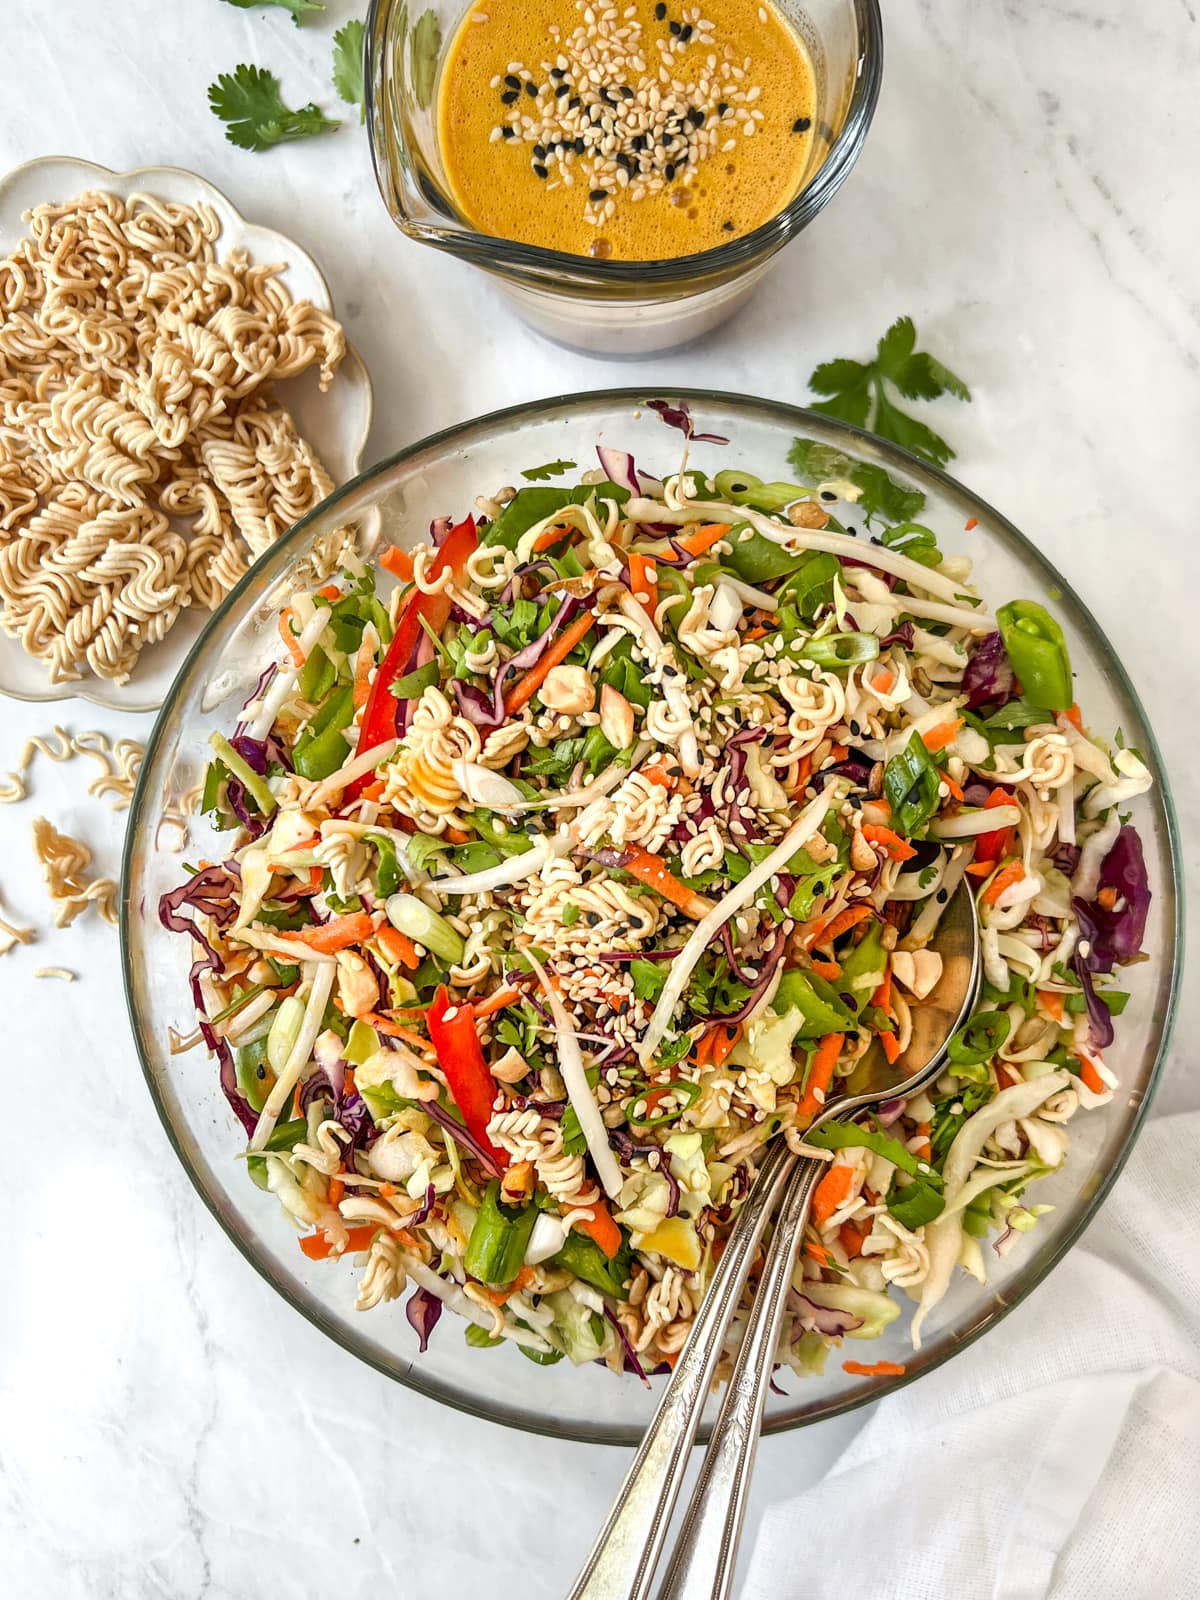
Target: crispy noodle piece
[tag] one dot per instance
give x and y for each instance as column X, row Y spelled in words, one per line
column 144, row 459
column 64, row 861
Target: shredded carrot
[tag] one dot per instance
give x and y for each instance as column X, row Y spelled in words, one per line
column 816, row 1252
column 337, row 1191
column 601, row 1229
column 826, row 932
column 348, row 1084
column 499, row 1296
column 980, row 869
column 656, row 772
column 1074, row 716
column 317, row 1246
column 702, row 539
column 804, row 771
column 398, row 947
column 374, row 791
column 724, row 1038
column 1087, row 1071
column 395, row 1031
column 496, row 1002
column 528, row 686
column 890, row 1046
column 330, row 592
column 825, row 969
column 820, row 1074
column 1107, row 897
column 877, row 1369
column 937, row 738
column 832, row 1191
column 304, row 844
column 337, row 933
column 316, row 877
column 852, row 1238
column 924, row 1149
column 643, row 582
column 363, row 662
column 551, row 537
column 289, row 638
column 1004, row 879
column 1006, row 1076
column 953, row 787
column 895, row 848
column 653, row 871
column 839, row 752
column 1052, row 1003
column 398, row 562
column 387, row 1190
column 971, row 523
column 883, row 680
column 883, row 994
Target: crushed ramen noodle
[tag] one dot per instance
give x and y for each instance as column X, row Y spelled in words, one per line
column 144, row 458
column 64, row 861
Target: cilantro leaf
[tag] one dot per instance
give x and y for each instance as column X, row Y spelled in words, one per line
column 297, row 8
column 856, row 391
column 879, row 494
column 425, row 43
column 248, row 101
column 348, row 66
column 552, row 469
column 649, row 978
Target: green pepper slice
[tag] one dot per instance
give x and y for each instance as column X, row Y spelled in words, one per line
column 820, row 1006
column 979, row 1038
column 496, row 1249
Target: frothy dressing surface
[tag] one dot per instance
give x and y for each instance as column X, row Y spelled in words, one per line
column 636, row 132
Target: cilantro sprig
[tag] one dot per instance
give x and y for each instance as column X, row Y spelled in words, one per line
column 858, row 391
column 248, row 101
column 348, row 66
column 295, row 8
column 551, row 469
column 879, row 495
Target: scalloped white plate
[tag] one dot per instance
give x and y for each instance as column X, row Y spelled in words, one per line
column 336, row 424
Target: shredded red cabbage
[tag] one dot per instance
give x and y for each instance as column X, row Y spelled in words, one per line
column 463, row 1135
column 989, row 675
column 631, row 1359
column 1114, row 934
column 679, row 416
column 423, row 1310
column 813, row 1318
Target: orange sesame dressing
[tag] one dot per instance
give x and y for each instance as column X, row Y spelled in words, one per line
column 641, row 131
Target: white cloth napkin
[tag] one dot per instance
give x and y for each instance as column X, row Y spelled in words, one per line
column 1059, row 1456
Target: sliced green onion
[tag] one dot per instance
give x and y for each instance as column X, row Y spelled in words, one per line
column 412, row 917
column 910, row 784
column 841, row 650
column 285, row 1030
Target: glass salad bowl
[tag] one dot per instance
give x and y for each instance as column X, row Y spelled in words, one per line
column 395, row 501
column 614, row 308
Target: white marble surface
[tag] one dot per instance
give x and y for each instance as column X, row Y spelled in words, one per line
column 1029, row 193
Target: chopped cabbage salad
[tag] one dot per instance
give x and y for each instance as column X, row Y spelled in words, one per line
column 583, row 848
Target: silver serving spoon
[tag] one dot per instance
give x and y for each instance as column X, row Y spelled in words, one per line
column 623, row 1561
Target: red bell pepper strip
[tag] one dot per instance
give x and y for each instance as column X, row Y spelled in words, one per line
column 379, row 714
column 460, row 1056
column 992, row 846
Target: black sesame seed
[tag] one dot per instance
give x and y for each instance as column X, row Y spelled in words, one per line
column 685, row 33
column 660, row 11
column 853, row 532
column 942, row 896
column 597, row 194
column 539, row 151
column 696, row 117
column 580, row 147
column 722, row 108
column 855, row 730
column 669, row 172
column 802, row 125
column 592, row 918
column 676, row 28
column 539, row 171
column 667, row 140
column 508, row 133
column 574, row 103
column 531, row 89
column 512, row 81
column 563, row 88
column 640, row 142
column 557, row 74
column 626, row 92
column 625, row 161
column 828, row 494
column 509, row 99
column 737, row 488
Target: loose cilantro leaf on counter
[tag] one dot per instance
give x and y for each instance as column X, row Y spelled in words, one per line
column 296, row 8
column 348, row 66
column 857, row 391
column 248, row 101
column 552, row 469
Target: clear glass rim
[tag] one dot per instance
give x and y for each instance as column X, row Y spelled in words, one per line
column 856, row 440
column 536, row 265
